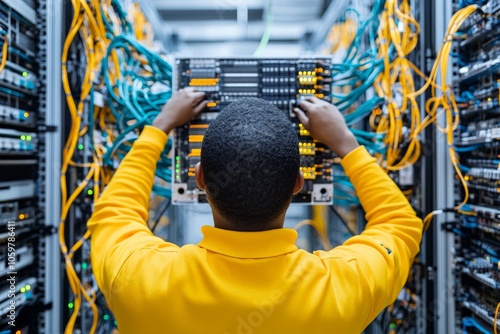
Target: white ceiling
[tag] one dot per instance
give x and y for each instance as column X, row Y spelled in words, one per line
column 226, row 28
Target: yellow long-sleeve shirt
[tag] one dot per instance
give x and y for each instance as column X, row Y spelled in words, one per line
column 247, row 282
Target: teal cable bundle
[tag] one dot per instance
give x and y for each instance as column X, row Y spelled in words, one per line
column 141, row 86
column 358, row 72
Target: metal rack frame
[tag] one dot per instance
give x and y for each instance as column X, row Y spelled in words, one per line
column 50, row 46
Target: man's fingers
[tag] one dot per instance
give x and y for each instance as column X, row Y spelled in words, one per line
column 307, row 105
column 200, row 107
column 197, row 96
column 301, row 115
column 313, row 100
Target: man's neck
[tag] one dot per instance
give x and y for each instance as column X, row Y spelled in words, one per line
column 225, row 224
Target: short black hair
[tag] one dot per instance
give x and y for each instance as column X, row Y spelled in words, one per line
column 250, row 161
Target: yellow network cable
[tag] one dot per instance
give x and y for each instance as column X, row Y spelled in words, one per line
column 5, row 51
column 401, row 71
column 496, row 318
column 400, row 30
column 342, row 35
column 88, row 24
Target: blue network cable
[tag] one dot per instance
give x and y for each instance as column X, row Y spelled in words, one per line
column 471, row 322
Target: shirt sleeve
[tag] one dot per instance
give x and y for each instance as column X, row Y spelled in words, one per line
column 382, row 255
column 118, row 225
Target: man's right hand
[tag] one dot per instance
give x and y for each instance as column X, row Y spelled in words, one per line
column 182, row 107
column 327, row 125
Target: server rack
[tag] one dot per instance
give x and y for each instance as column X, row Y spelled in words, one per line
column 27, row 109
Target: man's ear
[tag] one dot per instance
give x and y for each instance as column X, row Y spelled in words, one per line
column 299, row 183
column 200, row 180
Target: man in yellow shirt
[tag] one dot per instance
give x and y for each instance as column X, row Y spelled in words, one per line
column 247, row 276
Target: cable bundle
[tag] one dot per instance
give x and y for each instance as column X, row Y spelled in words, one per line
column 137, row 83
column 390, row 34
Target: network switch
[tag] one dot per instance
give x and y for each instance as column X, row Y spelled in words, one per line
column 22, row 213
column 13, row 142
column 25, row 255
column 15, row 190
column 22, row 8
column 10, row 116
column 22, row 292
column 18, row 78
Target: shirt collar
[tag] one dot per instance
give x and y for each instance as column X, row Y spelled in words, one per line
column 249, row 245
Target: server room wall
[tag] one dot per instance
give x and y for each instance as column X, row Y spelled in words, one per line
column 417, row 81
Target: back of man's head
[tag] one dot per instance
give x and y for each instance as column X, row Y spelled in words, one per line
column 250, row 162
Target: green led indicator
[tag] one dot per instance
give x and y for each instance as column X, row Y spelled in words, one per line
column 80, row 147
column 28, row 138
column 106, row 317
column 23, row 137
column 90, row 192
column 177, row 171
column 28, row 287
column 178, row 158
column 84, row 266
column 177, row 166
column 70, row 305
column 392, row 326
column 116, row 323
column 25, row 74
column 23, row 290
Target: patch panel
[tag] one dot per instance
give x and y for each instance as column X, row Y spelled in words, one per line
column 484, row 198
column 20, row 212
column 483, row 163
column 16, row 100
column 486, row 212
column 485, row 186
column 13, row 142
column 281, row 82
column 18, row 78
column 21, row 32
column 15, row 190
column 485, row 173
column 24, row 293
column 482, row 275
column 479, row 133
column 485, row 102
column 25, row 255
column 16, row 180
column 481, row 32
column 474, row 71
column 22, row 9
column 10, row 116
column 478, row 309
